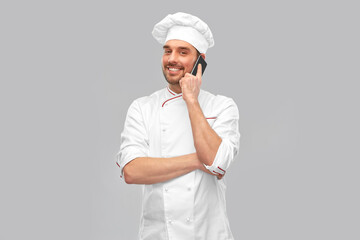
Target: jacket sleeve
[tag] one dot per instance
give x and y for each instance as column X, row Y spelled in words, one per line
column 226, row 126
column 134, row 139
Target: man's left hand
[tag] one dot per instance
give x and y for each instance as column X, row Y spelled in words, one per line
column 190, row 86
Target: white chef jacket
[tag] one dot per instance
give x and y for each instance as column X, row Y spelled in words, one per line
column 192, row 206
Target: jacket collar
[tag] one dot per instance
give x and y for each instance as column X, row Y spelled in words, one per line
column 170, row 96
column 170, row 93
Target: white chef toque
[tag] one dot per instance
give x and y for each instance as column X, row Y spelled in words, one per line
column 186, row 27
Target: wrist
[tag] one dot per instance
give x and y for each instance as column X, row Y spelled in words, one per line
column 191, row 101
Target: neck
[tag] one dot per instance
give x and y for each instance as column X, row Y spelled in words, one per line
column 175, row 88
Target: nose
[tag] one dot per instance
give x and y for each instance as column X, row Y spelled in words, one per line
column 172, row 58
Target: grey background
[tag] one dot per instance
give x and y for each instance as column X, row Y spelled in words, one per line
column 70, row 69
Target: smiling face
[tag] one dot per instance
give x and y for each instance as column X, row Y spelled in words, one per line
column 179, row 58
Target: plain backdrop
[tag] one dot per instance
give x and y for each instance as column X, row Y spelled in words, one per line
column 70, row 69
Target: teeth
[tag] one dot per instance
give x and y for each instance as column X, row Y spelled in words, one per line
column 174, row 69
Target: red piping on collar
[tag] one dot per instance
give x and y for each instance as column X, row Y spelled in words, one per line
column 211, row 118
column 170, row 99
column 170, row 91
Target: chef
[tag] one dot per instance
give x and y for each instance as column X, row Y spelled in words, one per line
column 180, row 141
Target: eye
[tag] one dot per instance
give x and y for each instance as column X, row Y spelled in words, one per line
column 183, row 52
column 167, row 51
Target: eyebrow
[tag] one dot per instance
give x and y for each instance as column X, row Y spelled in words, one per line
column 182, row 48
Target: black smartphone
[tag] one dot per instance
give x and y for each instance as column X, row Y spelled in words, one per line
column 201, row 61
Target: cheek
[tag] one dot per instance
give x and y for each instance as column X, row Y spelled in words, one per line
column 190, row 64
column 163, row 61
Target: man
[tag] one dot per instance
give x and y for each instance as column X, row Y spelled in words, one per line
column 180, row 141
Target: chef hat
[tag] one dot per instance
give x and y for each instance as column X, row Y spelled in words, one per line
column 186, row 27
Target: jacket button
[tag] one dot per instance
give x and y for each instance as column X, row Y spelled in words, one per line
column 169, row 221
column 189, row 188
column 188, row 219
column 166, row 189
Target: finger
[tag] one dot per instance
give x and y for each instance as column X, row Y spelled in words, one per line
column 189, row 75
column 199, row 71
column 185, row 81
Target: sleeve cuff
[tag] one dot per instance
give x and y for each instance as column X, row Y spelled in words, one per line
column 125, row 158
column 224, row 157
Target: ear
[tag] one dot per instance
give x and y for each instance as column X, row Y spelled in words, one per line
column 203, row 55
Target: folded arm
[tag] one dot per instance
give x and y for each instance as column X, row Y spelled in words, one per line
column 136, row 167
column 216, row 145
column 206, row 140
column 147, row 170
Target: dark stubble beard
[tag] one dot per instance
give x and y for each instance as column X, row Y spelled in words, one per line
column 172, row 83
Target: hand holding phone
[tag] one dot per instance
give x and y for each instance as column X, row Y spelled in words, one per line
column 190, row 90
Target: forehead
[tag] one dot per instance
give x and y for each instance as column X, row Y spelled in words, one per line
column 174, row 43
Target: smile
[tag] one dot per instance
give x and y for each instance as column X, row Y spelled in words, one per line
column 174, row 70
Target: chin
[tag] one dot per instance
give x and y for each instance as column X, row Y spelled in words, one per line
column 172, row 81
